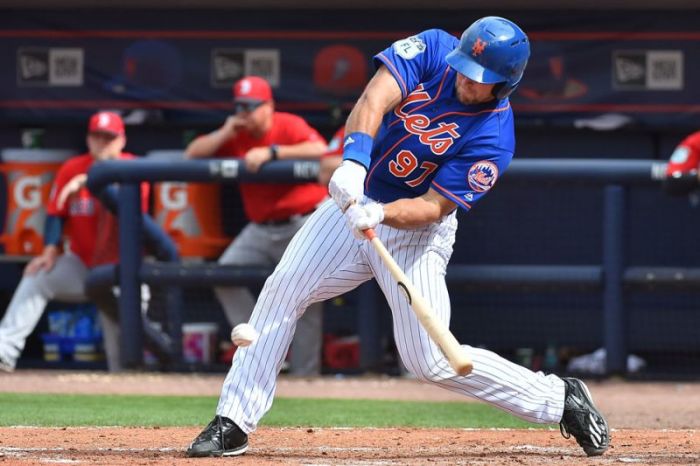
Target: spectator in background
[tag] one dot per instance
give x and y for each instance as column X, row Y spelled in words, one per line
column 682, row 172
column 257, row 134
column 60, row 274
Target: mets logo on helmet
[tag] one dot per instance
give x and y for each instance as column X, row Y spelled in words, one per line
column 478, row 47
column 482, row 176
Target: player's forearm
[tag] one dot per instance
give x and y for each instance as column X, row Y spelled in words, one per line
column 365, row 117
column 207, row 145
column 304, row 150
column 417, row 212
column 407, row 214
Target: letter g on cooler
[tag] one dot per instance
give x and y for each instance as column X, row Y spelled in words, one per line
column 173, row 195
column 27, row 192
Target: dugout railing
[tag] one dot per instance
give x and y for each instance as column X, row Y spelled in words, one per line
column 610, row 278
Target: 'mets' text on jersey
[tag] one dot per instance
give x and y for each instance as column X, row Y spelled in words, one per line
column 431, row 139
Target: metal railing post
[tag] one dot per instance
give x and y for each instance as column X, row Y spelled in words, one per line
column 614, row 319
column 130, row 323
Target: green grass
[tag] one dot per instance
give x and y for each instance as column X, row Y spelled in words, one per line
column 130, row 410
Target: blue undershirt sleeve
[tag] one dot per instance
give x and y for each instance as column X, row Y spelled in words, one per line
column 53, row 230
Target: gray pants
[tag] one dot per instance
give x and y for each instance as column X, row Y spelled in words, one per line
column 64, row 282
column 264, row 245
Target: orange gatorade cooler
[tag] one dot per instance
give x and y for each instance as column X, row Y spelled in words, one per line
column 189, row 212
column 29, row 174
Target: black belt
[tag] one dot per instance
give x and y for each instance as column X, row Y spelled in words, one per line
column 288, row 220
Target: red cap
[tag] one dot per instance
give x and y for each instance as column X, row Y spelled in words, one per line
column 252, row 89
column 106, row 122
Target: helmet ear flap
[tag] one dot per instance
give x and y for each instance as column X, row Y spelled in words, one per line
column 503, row 90
column 497, row 90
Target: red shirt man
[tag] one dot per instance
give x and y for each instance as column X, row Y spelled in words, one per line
column 83, row 213
column 257, row 134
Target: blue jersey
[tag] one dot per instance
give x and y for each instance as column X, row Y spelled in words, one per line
column 431, row 139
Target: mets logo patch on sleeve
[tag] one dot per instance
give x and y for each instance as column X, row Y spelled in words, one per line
column 482, row 176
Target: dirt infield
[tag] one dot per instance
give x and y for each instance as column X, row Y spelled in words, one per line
column 652, row 424
column 385, row 447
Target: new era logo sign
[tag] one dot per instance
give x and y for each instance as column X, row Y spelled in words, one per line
column 630, row 69
column 230, row 65
column 648, row 70
column 227, row 66
column 51, row 67
column 32, row 66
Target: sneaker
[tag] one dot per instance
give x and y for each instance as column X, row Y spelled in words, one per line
column 583, row 420
column 6, row 365
column 222, row 437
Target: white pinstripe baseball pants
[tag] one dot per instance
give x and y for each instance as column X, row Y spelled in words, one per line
column 325, row 260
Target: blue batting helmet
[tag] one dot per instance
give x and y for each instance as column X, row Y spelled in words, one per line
column 492, row 50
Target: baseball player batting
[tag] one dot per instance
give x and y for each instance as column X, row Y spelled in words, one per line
column 430, row 134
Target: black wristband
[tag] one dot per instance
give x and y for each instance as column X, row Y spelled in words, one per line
column 274, row 152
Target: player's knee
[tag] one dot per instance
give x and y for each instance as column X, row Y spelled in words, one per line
column 427, row 371
column 38, row 283
column 287, row 282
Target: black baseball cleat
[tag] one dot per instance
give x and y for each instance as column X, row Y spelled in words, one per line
column 222, row 437
column 583, row 420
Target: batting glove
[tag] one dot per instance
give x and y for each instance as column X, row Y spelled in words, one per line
column 363, row 216
column 347, row 184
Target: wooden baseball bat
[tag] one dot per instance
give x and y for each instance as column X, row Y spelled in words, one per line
column 458, row 358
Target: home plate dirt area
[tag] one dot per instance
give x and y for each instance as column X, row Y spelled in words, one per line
column 652, row 423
